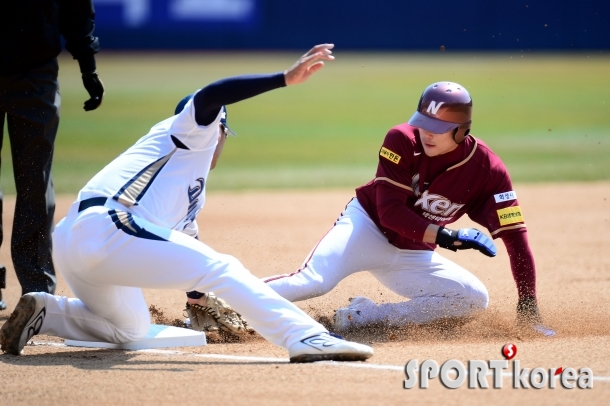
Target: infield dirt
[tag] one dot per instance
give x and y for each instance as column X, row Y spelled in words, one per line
column 271, row 233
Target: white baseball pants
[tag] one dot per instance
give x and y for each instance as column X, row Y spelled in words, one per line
column 436, row 287
column 106, row 256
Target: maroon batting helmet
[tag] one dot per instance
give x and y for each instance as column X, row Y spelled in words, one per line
column 444, row 106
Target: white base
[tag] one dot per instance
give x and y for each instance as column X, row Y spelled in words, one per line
column 159, row 336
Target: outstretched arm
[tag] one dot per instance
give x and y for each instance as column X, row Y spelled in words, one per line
column 521, row 263
column 308, row 64
column 524, row 273
column 211, row 98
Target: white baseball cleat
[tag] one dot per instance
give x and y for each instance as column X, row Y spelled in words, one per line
column 24, row 323
column 352, row 316
column 326, row 347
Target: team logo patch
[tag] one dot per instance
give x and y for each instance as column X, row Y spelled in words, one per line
column 389, row 155
column 505, row 196
column 437, row 207
column 510, row 215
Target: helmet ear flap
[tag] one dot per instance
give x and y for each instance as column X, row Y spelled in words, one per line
column 460, row 133
column 455, row 131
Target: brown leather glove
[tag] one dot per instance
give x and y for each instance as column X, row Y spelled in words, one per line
column 213, row 314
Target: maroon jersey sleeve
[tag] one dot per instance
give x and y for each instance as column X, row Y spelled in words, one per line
column 393, row 186
column 395, row 160
column 497, row 207
column 396, row 216
column 521, row 263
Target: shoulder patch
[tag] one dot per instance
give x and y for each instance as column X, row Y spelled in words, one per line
column 389, row 155
column 505, row 196
column 510, row 215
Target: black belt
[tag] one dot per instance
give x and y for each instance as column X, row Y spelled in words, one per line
column 93, row 201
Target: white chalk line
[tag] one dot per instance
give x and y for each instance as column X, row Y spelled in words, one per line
column 362, row 365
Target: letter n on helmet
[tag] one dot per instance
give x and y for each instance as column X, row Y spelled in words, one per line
column 444, row 106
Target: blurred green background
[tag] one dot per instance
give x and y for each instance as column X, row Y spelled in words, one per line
column 546, row 115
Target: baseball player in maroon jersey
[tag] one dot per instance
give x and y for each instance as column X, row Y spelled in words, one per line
column 431, row 172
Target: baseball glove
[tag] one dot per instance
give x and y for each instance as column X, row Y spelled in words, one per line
column 214, row 314
column 200, row 320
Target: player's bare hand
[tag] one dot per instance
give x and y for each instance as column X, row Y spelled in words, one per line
column 528, row 316
column 309, row 64
column 528, row 312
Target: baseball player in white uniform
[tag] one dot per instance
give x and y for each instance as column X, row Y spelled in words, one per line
column 133, row 226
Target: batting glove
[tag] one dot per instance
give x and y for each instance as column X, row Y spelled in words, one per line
column 470, row 238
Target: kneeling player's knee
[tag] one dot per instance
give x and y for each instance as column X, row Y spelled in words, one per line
column 134, row 333
column 477, row 298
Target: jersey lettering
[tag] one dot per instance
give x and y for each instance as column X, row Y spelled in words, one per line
column 453, row 209
column 510, row 215
column 389, row 155
column 193, row 194
column 437, row 204
column 425, row 199
column 433, row 107
column 415, row 185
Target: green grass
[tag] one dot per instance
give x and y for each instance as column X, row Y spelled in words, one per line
column 546, row 115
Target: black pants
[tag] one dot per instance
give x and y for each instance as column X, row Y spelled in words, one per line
column 30, row 101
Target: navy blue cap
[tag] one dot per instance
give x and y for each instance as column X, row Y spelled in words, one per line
column 223, row 121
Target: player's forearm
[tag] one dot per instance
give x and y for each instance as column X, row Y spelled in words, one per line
column 521, row 263
column 395, row 215
column 431, row 233
column 211, row 98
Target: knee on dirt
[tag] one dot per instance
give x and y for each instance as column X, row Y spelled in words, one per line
column 474, row 299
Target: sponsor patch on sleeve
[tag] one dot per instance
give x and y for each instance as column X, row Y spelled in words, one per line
column 389, row 155
column 510, row 215
column 505, row 196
